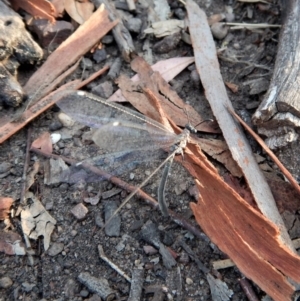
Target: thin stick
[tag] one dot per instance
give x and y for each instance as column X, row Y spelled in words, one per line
column 26, row 164
column 287, row 174
column 111, row 264
column 251, row 25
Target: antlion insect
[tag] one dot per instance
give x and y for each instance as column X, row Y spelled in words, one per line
column 127, row 137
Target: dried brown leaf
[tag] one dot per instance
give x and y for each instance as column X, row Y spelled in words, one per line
column 36, row 221
column 43, row 142
column 31, row 176
column 59, row 7
column 168, row 69
column 233, row 87
column 172, row 105
column 79, row 11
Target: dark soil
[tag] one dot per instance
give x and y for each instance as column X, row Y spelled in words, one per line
column 55, row 276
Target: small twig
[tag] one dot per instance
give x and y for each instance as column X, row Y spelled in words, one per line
column 248, row 290
column 140, row 193
column 250, row 26
column 254, row 1
column 223, row 264
column 26, row 164
column 28, row 247
column 250, row 64
column 111, row 264
column 287, row 174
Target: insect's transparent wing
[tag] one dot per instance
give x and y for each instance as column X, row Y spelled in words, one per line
column 127, row 137
column 119, row 128
column 115, row 164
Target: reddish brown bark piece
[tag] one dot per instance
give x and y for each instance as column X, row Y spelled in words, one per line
column 69, row 52
column 37, row 8
column 5, row 204
column 241, row 232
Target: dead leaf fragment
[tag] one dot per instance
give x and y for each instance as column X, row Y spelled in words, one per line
column 31, row 176
column 79, row 11
column 233, row 87
column 43, row 142
column 36, row 221
column 11, row 243
column 168, row 69
column 5, row 204
column 59, row 7
column 165, row 28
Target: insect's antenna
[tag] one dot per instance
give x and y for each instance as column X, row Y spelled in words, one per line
column 129, row 197
column 206, row 120
column 187, row 115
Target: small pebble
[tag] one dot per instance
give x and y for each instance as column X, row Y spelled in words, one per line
column 5, row 167
column 149, row 250
column 108, row 39
column 167, row 44
column 131, row 176
column 66, row 120
column 219, row 31
column 79, row 211
column 70, row 288
column 74, row 233
column 99, row 220
column 55, row 125
column 55, row 137
column 86, row 64
column 184, row 258
column 55, row 248
column 134, row 25
column 104, row 89
column 5, row 282
column 99, row 55
column 49, row 205
column 189, row 281
column 28, row 286
column 84, row 293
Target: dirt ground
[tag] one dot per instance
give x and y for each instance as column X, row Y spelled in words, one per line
column 74, row 242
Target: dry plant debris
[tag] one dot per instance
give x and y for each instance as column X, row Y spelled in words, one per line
column 36, row 221
column 38, row 8
column 5, row 204
column 11, row 243
column 259, row 247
